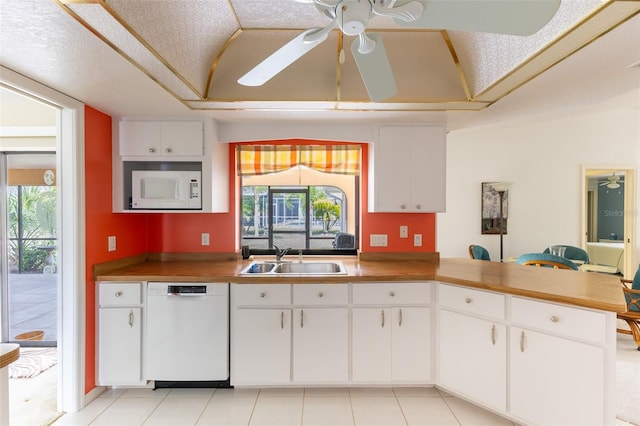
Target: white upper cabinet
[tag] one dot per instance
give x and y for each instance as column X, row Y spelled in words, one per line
column 408, row 170
column 161, row 138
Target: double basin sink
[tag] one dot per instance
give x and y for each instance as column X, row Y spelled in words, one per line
column 318, row 268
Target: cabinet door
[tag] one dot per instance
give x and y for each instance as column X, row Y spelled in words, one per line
column 182, row 138
column 411, row 344
column 119, row 346
column 473, row 357
column 261, row 346
column 371, row 345
column 555, row 381
column 409, row 170
column 140, row 138
column 321, row 345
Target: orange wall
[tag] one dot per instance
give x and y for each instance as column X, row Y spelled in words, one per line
column 130, row 229
column 180, row 232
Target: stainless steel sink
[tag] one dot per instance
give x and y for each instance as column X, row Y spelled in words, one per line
column 317, row 268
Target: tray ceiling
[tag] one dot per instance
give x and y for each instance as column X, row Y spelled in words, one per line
column 196, row 51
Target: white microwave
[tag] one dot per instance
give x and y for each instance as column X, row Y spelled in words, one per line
column 166, row 189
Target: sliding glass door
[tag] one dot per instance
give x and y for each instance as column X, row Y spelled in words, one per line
column 29, row 238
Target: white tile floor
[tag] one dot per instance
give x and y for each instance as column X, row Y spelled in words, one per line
column 281, row 407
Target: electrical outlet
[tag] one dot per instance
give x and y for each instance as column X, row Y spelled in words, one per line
column 417, row 240
column 378, row 240
column 404, row 231
column 111, row 243
column 205, row 239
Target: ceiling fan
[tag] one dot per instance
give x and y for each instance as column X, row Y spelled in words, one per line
column 612, row 182
column 514, row 17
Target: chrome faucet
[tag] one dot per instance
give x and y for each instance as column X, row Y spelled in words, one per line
column 280, row 252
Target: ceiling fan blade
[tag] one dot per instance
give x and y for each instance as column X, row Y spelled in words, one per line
column 515, row 17
column 374, row 66
column 283, row 57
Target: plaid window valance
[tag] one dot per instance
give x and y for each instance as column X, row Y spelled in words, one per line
column 262, row 159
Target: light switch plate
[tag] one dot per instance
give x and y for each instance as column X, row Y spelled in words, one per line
column 111, row 243
column 205, row 239
column 417, row 240
column 378, row 240
column 404, row 231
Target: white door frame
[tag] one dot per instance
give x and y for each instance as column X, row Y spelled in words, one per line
column 71, row 226
column 629, row 171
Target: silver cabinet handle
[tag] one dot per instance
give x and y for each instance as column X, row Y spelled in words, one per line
column 419, row 206
column 152, row 150
column 382, row 318
column 320, row 294
column 468, row 300
column 392, row 294
column 282, row 320
column 493, row 334
column 263, row 295
column 403, row 206
column 400, row 318
column 168, row 150
column 118, row 293
column 554, row 318
column 522, row 342
column 131, row 318
column 301, row 318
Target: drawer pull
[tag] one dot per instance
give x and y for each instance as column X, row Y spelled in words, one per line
column 118, row 293
column 419, row 206
column 301, row 318
column 168, row 150
column 403, row 206
column 468, row 300
column 282, row 320
column 493, row 334
column 400, row 319
column 382, row 318
column 554, row 318
column 263, row 295
column 392, row 293
column 131, row 318
column 320, row 294
column 152, row 150
column 522, row 342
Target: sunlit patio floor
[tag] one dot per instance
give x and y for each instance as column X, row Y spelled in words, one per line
column 33, row 305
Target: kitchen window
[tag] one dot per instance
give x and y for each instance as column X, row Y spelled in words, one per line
column 302, row 197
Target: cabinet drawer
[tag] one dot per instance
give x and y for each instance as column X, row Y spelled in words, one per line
column 119, row 294
column 392, row 293
column 321, row 294
column 262, row 294
column 472, row 301
column 560, row 319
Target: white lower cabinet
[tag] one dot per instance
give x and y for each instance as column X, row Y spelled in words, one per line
column 537, row 362
column 555, row 381
column 392, row 345
column 261, row 351
column 473, row 358
column 119, row 336
column 391, row 341
column 321, row 345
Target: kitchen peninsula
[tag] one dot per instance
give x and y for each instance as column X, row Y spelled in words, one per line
column 535, row 345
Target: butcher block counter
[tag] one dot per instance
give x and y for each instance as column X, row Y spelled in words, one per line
column 586, row 289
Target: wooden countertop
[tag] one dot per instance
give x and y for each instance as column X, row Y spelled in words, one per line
column 9, row 352
column 587, row 289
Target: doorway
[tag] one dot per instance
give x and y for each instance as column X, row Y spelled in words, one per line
column 608, row 219
column 29, row 282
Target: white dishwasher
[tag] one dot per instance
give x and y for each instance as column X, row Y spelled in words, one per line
column 187, row 333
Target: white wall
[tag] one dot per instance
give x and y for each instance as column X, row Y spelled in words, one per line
column 543, row 159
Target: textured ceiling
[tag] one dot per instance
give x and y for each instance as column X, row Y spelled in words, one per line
column 197, row 50
column 178, row 57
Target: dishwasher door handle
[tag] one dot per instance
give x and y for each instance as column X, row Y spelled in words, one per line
column 186, row 294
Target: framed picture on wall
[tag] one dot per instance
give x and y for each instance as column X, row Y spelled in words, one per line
column 491, row 209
